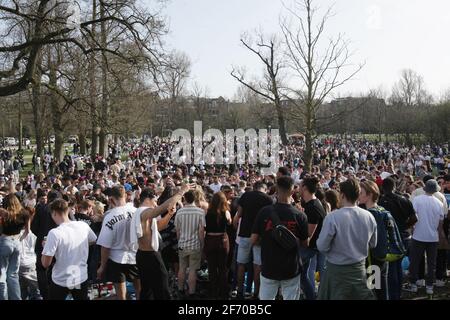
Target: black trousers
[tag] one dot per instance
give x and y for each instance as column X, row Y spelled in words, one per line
column 42, row 277
column 441, row 264
column 416, row 252
column 60, row 293
column 153, row 275
column 216, row 249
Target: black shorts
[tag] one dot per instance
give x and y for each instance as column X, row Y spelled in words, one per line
column 169, row 256
column 118, row 273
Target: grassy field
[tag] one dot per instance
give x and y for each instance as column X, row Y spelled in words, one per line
column 28, row 157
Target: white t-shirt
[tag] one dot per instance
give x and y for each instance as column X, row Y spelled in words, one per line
column 437, row 195
column 215, row 187
column 429, row 213
column 73, row 189
column 69, row 244
column 27, row 254
column 115, row 235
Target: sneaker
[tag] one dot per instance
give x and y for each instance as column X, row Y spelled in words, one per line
column 420, row 283
column 234, row 294
column 440, row 283
column 411, row 288
column 430, row 290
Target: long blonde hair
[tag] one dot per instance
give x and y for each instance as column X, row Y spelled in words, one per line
column 199, row 196
column 12, row 205
column 98, row 211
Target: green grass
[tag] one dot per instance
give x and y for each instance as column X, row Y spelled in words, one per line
column 28, row 157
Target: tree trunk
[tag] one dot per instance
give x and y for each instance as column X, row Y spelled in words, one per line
column 102, row 145
column 93, row 91
column 82, row 143
column 103, row 148
column 56, row 112
column 49, row 145
column 308, row 151
column 59, row 145
column 20, row 125
column 281, row 123
column 94, row 143
column 36, row 104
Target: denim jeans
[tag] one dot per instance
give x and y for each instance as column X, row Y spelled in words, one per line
column 29, row 288
column 289, row 288
column 9, row 268
column 307, row 280
column 316, row 264
column 395, row 279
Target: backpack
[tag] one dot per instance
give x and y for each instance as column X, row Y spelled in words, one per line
column 282, row 235
column 390, row 246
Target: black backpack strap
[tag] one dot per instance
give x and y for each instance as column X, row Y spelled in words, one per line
column 274, row 217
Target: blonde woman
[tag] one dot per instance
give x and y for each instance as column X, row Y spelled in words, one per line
column 30, row 199
column 200, row 200
column 12, row 221
column 98, row 210
column 12, row 204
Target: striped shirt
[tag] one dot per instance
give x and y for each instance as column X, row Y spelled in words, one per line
column 187, row 221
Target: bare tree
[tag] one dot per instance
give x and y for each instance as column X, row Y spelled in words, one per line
column 409, row 97
column 103, row 144
column 379, row 110
column 318, row 71
column 199, row 95
column 38, row 110
column 175, row 72
column 31, row 25
column 269, row 52
column 410, row 90
column 445, row 96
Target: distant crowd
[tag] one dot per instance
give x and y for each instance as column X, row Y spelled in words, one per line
column 160, row 230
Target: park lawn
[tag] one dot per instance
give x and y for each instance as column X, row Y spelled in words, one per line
column 28, row 157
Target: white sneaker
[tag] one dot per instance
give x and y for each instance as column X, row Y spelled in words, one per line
column 411, row 288
column 430, row 290
column 440, row 283
column 421, row 283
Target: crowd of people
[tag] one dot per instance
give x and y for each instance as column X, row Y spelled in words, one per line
column 156, row 229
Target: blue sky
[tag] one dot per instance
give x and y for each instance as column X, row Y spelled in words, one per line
column 388, row 35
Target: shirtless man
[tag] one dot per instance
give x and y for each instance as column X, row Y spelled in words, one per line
column 144, row 229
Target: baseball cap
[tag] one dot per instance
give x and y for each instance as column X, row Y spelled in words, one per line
column 128, row 187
